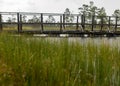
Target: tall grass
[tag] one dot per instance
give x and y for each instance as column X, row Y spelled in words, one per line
column 26, row 61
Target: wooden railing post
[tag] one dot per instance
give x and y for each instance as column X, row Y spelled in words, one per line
column 93, row 20
column 1, row 22
column 101, row 23
column 116, row 19
column 42, row 28
column 18, row 22
column 64, row 21
column 109, row 22
column 20, row 29
column 77, row 25
column 60, row 23
column 83, row 22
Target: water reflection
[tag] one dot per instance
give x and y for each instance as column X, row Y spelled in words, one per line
column 112, row 41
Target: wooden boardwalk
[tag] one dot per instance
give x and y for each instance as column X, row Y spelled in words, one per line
column 81, row 25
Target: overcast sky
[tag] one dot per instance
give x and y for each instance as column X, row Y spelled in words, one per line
column 56, row 6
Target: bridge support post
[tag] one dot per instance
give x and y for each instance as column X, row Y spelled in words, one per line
column 19, row 22
column 93, row 20
column 116, row 19
column 1, row 23
column 64, row 21
column 77, row 25
column 109, row 22
column 83, row 22
column 42, row 23
column 60, row 23
column 101, row 23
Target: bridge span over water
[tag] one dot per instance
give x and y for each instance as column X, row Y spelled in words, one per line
column 56, row 24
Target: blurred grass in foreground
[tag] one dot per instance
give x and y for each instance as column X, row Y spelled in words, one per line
column 26, row 61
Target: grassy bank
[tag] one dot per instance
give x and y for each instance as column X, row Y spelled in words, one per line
column 26, row 61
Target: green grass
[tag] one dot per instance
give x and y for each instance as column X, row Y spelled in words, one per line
column 26, row 61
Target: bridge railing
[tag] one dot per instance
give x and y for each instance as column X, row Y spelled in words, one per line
column 61, row 21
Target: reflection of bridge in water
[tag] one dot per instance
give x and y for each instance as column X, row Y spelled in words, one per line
column 56, row 24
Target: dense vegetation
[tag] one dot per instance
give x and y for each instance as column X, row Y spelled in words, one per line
column 26, row 61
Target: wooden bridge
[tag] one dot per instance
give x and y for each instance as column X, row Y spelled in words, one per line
column 56, row 24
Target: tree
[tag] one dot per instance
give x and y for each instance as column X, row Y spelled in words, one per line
column 83, row 10
column 88, row 11
column 24, row 18
column 91, row 10
column 50, row 19
column 9, row 20
column 117, row 14
column 102, row 12
column 68, row 16
column 34, row 19
column 13, row 19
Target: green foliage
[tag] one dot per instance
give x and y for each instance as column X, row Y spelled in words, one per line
column 117, row 14
column 50, row 19
column 91, row 10
column 29, row 61
column 69, row 18
column 34, row 19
